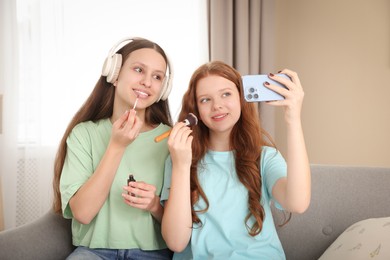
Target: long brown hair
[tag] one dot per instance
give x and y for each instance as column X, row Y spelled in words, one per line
column 99, row 105
column 246, row 139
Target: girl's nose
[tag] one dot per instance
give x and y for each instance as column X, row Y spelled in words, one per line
column 146, row 81
column 217, row 105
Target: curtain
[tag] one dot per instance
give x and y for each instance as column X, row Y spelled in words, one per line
column 1, row 190
column 241, row 35
column 8, row 81
column 1, row 208
column 235, row 33
column 28, row 33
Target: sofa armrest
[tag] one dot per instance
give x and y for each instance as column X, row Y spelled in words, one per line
column 341, row 196
column 48, row 237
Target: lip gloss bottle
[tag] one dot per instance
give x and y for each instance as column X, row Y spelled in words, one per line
column 130, row 179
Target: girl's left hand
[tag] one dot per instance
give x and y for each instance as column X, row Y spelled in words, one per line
column 141, row 195
column 293, row 94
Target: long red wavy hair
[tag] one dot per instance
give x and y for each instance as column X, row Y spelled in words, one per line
column 246, row 139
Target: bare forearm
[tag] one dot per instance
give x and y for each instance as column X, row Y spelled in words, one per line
column 177, row 219
column 298, row 176
column 89, row 199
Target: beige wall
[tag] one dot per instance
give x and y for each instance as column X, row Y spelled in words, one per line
column 341, row 51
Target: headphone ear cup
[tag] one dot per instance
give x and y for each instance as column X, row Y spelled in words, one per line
column 167, row 87
column 167, row 83
column 163, row 90
column 111, row 67
column 106, row 66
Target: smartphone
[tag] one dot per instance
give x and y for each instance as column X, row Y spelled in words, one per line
column 255, row 91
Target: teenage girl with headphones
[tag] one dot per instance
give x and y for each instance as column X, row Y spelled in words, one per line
column 110, row 137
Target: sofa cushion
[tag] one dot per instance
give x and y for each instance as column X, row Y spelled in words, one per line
column 366, row 239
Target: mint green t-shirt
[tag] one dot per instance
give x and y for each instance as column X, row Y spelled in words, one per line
column 117, row 225
column 223, row 234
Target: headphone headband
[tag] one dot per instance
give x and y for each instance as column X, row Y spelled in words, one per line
column 122, row 43
column 113, row 64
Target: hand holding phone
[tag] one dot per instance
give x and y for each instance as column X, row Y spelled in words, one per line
column 255, row 91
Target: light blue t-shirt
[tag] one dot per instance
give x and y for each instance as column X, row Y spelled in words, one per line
column 223, row 234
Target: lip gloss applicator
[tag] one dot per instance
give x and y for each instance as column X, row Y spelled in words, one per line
column 135, row 103
column 190, row 120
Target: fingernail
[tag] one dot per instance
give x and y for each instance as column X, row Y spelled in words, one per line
column 271, row 74
column 266, row 83
column 279, row 71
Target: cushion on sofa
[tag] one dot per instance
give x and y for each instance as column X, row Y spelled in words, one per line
column 366, row 239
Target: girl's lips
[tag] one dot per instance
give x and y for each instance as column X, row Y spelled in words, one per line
column 141, row 94
column 219, row 117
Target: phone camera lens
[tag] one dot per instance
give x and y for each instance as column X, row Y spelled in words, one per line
column 251, row 90
column 249, row 96
column 256, row 96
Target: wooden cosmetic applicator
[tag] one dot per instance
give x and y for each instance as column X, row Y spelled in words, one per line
column 190, row 120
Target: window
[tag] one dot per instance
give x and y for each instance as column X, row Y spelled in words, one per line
column 63, row 44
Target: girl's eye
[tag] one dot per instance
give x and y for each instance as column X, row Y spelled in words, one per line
column 138, row 69
column 158, row 77
column 226, row 94
column 203, row 100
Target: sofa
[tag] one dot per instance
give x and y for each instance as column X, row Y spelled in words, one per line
column 341, row 197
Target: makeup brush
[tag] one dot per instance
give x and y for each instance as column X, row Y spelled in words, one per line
column 190, row 120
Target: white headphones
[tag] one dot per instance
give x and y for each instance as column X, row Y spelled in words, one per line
column 113, row 64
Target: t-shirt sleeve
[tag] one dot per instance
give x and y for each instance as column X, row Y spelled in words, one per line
column 273, row 167
column 167, row 180
column 77, row 167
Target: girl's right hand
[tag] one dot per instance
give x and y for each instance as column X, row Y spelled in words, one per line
column 126, row 129
column 293, row 94
column 179, row 144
